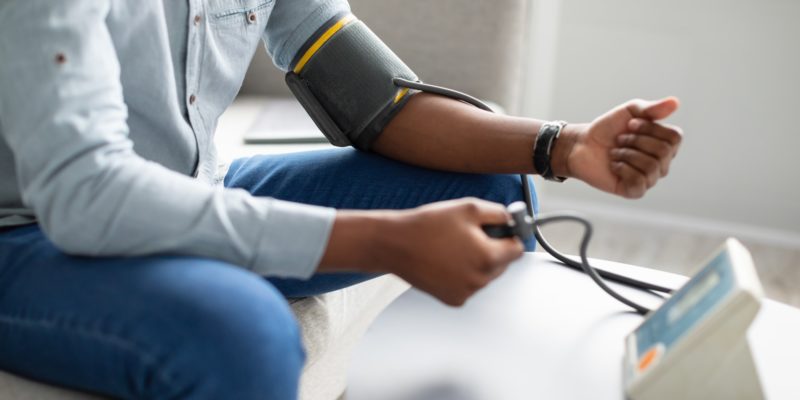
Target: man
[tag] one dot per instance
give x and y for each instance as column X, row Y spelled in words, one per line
column 131, row 267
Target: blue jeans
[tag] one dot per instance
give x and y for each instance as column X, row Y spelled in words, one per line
column 170, row 326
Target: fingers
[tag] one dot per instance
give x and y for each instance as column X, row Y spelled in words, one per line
column 486, row 212
column 497, row 254
column 654, row 148
column 500, row 251
column 647, row 144
column 464, row 258
column 653, row 110
column 668, row 133
column 658, row 141
column 632, row 183
column 504, row 251
column 649, row 167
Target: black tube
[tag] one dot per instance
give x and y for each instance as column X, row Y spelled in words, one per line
column 596, row 274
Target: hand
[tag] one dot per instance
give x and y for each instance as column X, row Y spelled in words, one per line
column 624, row 152
column 441, row 249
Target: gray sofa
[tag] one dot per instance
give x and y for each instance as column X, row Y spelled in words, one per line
column 473, row 46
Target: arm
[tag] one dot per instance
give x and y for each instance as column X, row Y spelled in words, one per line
column 358, row 104
column 63, row 116
column 441, row 133
column 439, row 248
column 623, row 152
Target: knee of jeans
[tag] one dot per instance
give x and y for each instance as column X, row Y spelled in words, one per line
column 238, row 337
column 507, row 189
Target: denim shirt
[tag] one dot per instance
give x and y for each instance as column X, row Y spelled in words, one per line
column 107, row 115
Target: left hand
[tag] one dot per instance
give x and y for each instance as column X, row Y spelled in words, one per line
column 624, row 152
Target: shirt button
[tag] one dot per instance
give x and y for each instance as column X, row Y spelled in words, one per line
column 251, row 16
column 197, row 20
column 192, row 99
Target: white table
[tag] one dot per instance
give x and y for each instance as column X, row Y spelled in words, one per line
column 541, row 331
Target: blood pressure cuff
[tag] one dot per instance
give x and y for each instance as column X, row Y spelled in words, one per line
column 343, row 78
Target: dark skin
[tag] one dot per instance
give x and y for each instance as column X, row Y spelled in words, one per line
column 440, row 248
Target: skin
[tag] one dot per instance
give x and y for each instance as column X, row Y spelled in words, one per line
column 440, row 248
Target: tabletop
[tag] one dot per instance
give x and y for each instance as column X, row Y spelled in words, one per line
column 540, row 331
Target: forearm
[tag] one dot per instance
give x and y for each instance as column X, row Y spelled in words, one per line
column 439, row 248
column 441, row 133
column 353, row 243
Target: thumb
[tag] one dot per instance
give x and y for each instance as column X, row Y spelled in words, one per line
column 653, row 110
column 491, row 213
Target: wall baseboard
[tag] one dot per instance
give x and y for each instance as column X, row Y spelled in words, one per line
column 676, row 222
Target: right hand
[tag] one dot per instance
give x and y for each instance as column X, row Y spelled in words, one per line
column 441, row 249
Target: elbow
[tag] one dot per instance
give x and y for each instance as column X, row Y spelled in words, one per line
column 74, row 235
column 75, row 217
column 79, row 202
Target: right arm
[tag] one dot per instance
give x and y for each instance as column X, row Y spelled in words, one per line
column 439, row 248
column 64, row 118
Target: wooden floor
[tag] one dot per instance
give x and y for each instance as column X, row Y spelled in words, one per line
column 679, row 252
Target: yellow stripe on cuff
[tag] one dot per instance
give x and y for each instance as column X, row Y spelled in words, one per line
column 400, row 95
column 321, row 41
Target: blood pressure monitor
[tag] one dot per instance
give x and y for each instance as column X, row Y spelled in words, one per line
column 695, row 345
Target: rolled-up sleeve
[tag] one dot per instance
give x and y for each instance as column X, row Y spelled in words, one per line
column 293, row 21
column 63, row 116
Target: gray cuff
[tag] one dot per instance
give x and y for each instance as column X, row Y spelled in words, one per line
column 293, row 239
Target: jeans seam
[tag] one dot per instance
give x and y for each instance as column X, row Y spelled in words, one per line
column 146, row 358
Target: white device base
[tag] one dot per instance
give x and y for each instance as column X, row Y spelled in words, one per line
column 736, row 378
column 695, row 345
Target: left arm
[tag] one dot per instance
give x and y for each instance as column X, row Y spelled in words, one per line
column 624, row 152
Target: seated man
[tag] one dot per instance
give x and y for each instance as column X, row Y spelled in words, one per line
column 132, row 267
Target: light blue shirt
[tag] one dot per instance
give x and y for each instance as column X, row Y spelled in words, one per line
column 107, row 117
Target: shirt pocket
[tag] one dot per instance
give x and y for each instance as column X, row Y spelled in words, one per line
column 235, row 29
column 239, row 13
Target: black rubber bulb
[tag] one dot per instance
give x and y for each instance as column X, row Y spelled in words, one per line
column 521, row 224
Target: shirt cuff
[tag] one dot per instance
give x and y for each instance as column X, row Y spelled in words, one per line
column 293, row 239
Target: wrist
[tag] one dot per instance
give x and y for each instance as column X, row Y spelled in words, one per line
column 361, row 241
column 562, row 148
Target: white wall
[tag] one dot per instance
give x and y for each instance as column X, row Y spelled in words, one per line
column 734, row 64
